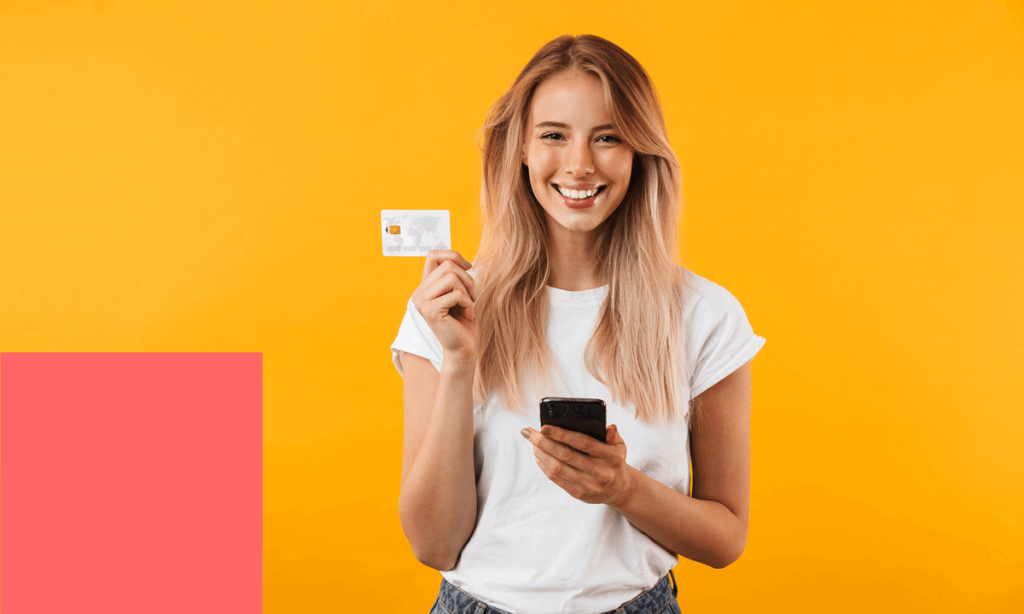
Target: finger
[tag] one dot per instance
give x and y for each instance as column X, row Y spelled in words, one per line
column 557, row 473
column 448, row 293
column 552, row 467
column 561, row 451
column 584, row 443
column 612, row 435
column 445, row 282
column 436, row 256
column 448, row 304
column 441, row 282
column 450, row 267
column 572, row 488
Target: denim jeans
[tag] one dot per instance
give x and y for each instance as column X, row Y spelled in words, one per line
column 658, row 600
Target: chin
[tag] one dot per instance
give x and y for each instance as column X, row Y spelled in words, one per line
column 585, row 228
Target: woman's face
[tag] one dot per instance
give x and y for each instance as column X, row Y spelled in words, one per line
column 570, row 144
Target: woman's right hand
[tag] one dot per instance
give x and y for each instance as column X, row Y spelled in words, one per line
column 446, row 300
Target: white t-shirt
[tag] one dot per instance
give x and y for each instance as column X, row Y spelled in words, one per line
column 536, row 549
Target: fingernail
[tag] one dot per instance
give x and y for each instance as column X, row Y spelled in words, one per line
column 546, row 431
column 526, row 433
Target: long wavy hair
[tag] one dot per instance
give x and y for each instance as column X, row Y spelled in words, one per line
column 636, row 349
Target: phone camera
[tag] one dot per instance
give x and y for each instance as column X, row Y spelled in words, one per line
column 556, row 411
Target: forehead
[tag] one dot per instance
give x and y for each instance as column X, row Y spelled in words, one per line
column 567, row 96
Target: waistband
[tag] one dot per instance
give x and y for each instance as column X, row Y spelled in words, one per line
column 458, row 601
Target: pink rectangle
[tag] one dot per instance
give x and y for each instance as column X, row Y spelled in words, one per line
column 132, row 482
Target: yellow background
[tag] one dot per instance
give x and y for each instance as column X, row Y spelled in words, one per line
column 208, row 176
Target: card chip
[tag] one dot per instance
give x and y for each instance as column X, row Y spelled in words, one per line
column 394, row 230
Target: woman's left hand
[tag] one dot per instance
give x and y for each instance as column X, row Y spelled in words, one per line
column 582, row 466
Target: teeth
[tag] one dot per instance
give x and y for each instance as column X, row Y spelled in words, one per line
column 577, row 194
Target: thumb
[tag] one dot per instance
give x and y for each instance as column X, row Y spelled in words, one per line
column 613, row 434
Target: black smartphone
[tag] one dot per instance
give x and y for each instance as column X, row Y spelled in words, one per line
column 585, row 416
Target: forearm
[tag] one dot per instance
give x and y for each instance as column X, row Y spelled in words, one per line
column 700, row 530
column 437, row 504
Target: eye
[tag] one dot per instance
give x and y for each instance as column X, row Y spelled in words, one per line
column 614, row 139
column 551, row 134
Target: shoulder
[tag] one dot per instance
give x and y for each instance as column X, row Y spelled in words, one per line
column 703, row 295
column 710, row 307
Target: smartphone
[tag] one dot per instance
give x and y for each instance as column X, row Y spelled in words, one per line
column 585, row 416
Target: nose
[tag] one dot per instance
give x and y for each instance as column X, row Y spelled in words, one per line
column 580, row 160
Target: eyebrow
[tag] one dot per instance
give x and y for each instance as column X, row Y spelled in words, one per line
column 561, row 125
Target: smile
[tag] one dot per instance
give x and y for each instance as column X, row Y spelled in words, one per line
column 580, row 203
column 578, row 194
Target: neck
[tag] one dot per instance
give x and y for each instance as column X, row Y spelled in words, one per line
column 573, row 260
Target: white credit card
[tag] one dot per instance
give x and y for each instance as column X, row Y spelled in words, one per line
column 414, row 232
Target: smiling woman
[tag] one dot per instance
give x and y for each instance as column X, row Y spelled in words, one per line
column 579, row 167
column 576, row 292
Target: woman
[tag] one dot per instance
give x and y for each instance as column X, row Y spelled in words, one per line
column 575, row 293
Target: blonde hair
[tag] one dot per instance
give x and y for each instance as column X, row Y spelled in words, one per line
column 636, row 349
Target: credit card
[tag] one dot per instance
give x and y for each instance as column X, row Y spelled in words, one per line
column 414, row 232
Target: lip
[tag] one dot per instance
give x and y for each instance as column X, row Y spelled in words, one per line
column 579, row 204
column 580, row 186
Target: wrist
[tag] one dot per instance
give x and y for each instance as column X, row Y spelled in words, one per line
column 632, row 482
column 459, row 366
